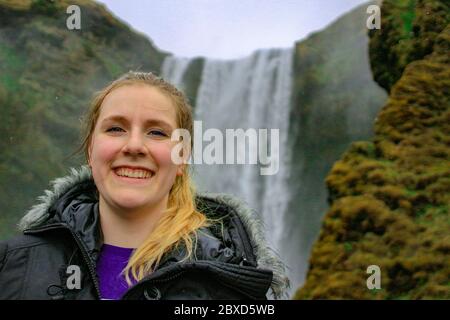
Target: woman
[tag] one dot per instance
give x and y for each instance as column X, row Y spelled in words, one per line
column 129, row 225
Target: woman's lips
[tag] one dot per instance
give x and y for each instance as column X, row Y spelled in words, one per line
column 133, row 172
column 132, row 180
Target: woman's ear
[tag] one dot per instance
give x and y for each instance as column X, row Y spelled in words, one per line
column 180, row 170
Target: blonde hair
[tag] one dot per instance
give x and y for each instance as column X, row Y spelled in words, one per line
column 181, row 219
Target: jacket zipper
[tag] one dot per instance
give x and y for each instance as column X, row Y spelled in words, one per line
column 245, row 241
column 79, row 242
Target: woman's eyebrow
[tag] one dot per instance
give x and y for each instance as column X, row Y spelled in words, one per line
column 115, row 118
column 158, row 122
column 148, row 122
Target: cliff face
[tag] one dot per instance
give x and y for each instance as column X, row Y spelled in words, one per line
column 47, row 75
column 390, row 197
column 334, row 102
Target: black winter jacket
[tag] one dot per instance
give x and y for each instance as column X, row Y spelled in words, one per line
column 230, row 262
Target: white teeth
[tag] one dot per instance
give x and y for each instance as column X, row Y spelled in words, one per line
column 131, row 173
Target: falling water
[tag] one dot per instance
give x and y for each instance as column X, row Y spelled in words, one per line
column 253, row 92
column 173, row 69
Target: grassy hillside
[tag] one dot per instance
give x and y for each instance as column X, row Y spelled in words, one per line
column 47, row 76
column 390, row 196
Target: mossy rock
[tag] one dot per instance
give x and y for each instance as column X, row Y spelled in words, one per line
column 390, row 197
column 409, row 29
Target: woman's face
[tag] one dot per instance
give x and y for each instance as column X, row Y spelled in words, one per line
column 130, row 151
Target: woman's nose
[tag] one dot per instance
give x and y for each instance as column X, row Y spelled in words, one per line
column 135, row 144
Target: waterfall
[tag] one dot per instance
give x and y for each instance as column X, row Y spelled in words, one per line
column 173, row 69
column 252, row 92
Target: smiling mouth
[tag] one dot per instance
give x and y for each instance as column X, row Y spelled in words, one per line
column 134, row 173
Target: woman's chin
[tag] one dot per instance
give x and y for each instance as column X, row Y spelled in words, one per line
column 132, row 202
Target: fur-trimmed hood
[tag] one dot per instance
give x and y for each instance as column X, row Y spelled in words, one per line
column 266, row 258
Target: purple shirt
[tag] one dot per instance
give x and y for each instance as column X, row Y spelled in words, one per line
column 112, row 260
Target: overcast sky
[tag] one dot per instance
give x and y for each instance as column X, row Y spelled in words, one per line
column 227, row 28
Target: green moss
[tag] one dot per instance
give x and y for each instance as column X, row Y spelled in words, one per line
column 12, row 63
column 46, row 7
column 365, row 148
column 348, row 246
column 390, row 197
column 410, row 192
column 408, row 33
column 111, row 66
column 408, row 18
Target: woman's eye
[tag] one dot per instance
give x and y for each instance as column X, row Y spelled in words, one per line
column 158, row 133
column 114, row 129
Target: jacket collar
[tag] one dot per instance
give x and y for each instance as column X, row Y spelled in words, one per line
column 78, row 188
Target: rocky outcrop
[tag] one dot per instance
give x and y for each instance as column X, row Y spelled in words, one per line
column 408, row 33
column 389, row 197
